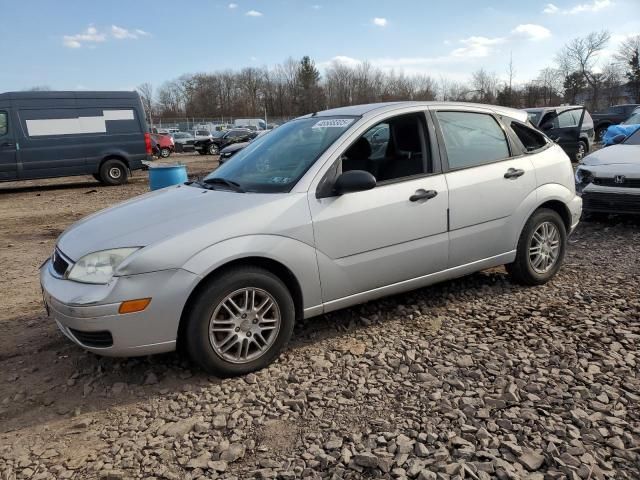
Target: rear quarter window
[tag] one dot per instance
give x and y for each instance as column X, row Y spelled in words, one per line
column 531, row 139
column 4, row 123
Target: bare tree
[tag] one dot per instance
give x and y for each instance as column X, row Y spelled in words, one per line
column 581, row 54
column 485, row 86
column 627, row 49
column 145, row 90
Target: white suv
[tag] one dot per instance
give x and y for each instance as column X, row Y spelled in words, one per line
column 310, row 219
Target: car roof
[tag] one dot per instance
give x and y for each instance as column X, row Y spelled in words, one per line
column 66, row 95
column 381, row 108
column 560, row 108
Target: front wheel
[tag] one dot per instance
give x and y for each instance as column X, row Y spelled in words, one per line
column 240, row 322
column 600, row 131
column 541, row 249
column 583, row 149
column 165, row 152
column 213, row 149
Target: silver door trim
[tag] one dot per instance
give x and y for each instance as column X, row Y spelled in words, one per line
column 418, row 282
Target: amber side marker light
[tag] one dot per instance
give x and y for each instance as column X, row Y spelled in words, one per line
column 132, row 306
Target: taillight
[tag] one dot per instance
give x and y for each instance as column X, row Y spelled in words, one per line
column 147, row 143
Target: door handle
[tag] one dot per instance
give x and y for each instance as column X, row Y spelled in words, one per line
column 513, row 173
column 7, row 144
column 422, row 194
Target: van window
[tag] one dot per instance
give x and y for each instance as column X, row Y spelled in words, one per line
column 81, row 121
column 472, row 139
column 4, row 127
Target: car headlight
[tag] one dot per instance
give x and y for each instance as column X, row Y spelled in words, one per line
column 583, row 176
column 99, row 267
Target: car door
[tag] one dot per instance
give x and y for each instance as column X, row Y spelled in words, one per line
column 564, row 128
column 487, row 181
column 8, row 147
column 392, row 233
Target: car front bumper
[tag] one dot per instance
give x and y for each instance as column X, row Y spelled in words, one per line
column 88, row 314
column 611, row 199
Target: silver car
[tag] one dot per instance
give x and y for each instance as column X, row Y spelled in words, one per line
column 305, row 221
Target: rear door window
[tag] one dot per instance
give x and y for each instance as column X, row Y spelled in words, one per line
column 531, row 139
column 472, row 139
column 4, row 123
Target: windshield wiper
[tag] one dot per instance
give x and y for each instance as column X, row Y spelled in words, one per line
column 235, row 186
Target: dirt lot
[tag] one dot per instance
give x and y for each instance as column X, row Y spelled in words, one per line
column 475, row 378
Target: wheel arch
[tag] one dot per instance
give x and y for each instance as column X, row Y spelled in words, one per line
column 114, row 156
column 560, row 208
column 277, row 268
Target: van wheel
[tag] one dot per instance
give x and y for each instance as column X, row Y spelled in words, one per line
column 114, row 172
column 541, row 249
column 240, row 322
column 165, row 152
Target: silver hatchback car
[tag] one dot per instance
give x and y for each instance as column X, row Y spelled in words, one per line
column 307, row 220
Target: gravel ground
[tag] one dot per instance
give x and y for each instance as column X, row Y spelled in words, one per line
column 474, row 378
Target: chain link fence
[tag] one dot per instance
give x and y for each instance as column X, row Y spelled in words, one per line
column 185, row 124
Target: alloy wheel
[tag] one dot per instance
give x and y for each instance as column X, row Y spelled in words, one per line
column 244, row 325
column 544, row 248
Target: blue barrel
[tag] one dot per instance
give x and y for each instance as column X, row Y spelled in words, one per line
column 161, row 176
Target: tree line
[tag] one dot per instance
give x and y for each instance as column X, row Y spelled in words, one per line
column 578, row 74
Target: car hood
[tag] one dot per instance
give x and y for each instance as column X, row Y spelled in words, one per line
column 614, row 155
column 234, row 147
column 183, row 220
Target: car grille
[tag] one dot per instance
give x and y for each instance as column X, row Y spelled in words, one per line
column 100, row 339
column 611, row 182
column 60, row 265
column 611, row 202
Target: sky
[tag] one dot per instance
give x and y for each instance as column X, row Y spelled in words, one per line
column 116, row 44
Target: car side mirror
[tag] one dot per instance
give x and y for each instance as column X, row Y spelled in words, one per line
column 545, row 127
column 354, row 181
column 618, row 139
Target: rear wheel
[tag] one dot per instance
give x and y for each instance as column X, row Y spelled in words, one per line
column 114, row 172
column 541, row 249
column 165, row 152
column 240, row 322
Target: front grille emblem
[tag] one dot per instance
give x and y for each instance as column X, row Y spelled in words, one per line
column 619, row 178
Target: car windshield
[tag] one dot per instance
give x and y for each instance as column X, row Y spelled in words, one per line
column 633, row 139
column 217, row 133
column 633, row 119
column 274, row 163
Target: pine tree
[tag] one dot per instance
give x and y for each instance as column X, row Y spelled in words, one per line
column 633, row 74
column 309, row 85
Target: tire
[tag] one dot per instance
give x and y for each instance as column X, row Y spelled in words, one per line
column 212, row 149
column 600, row 131
column 165, row 152
column 114, row 172
column 583, row 149
column 524, row 269
column 219, row 356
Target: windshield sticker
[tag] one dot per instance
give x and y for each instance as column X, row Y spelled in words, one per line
column 334, row 123
column 282, row 180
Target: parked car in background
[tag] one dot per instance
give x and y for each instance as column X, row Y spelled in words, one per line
column 569, row 126
column 612, row 116
column 305, row 222
column 163, row 145
column 229, row 151
column 609, row 179
column 60, row 134
column 184, row 141
column 252, row 123
column 199, row 134
column 212, row 146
